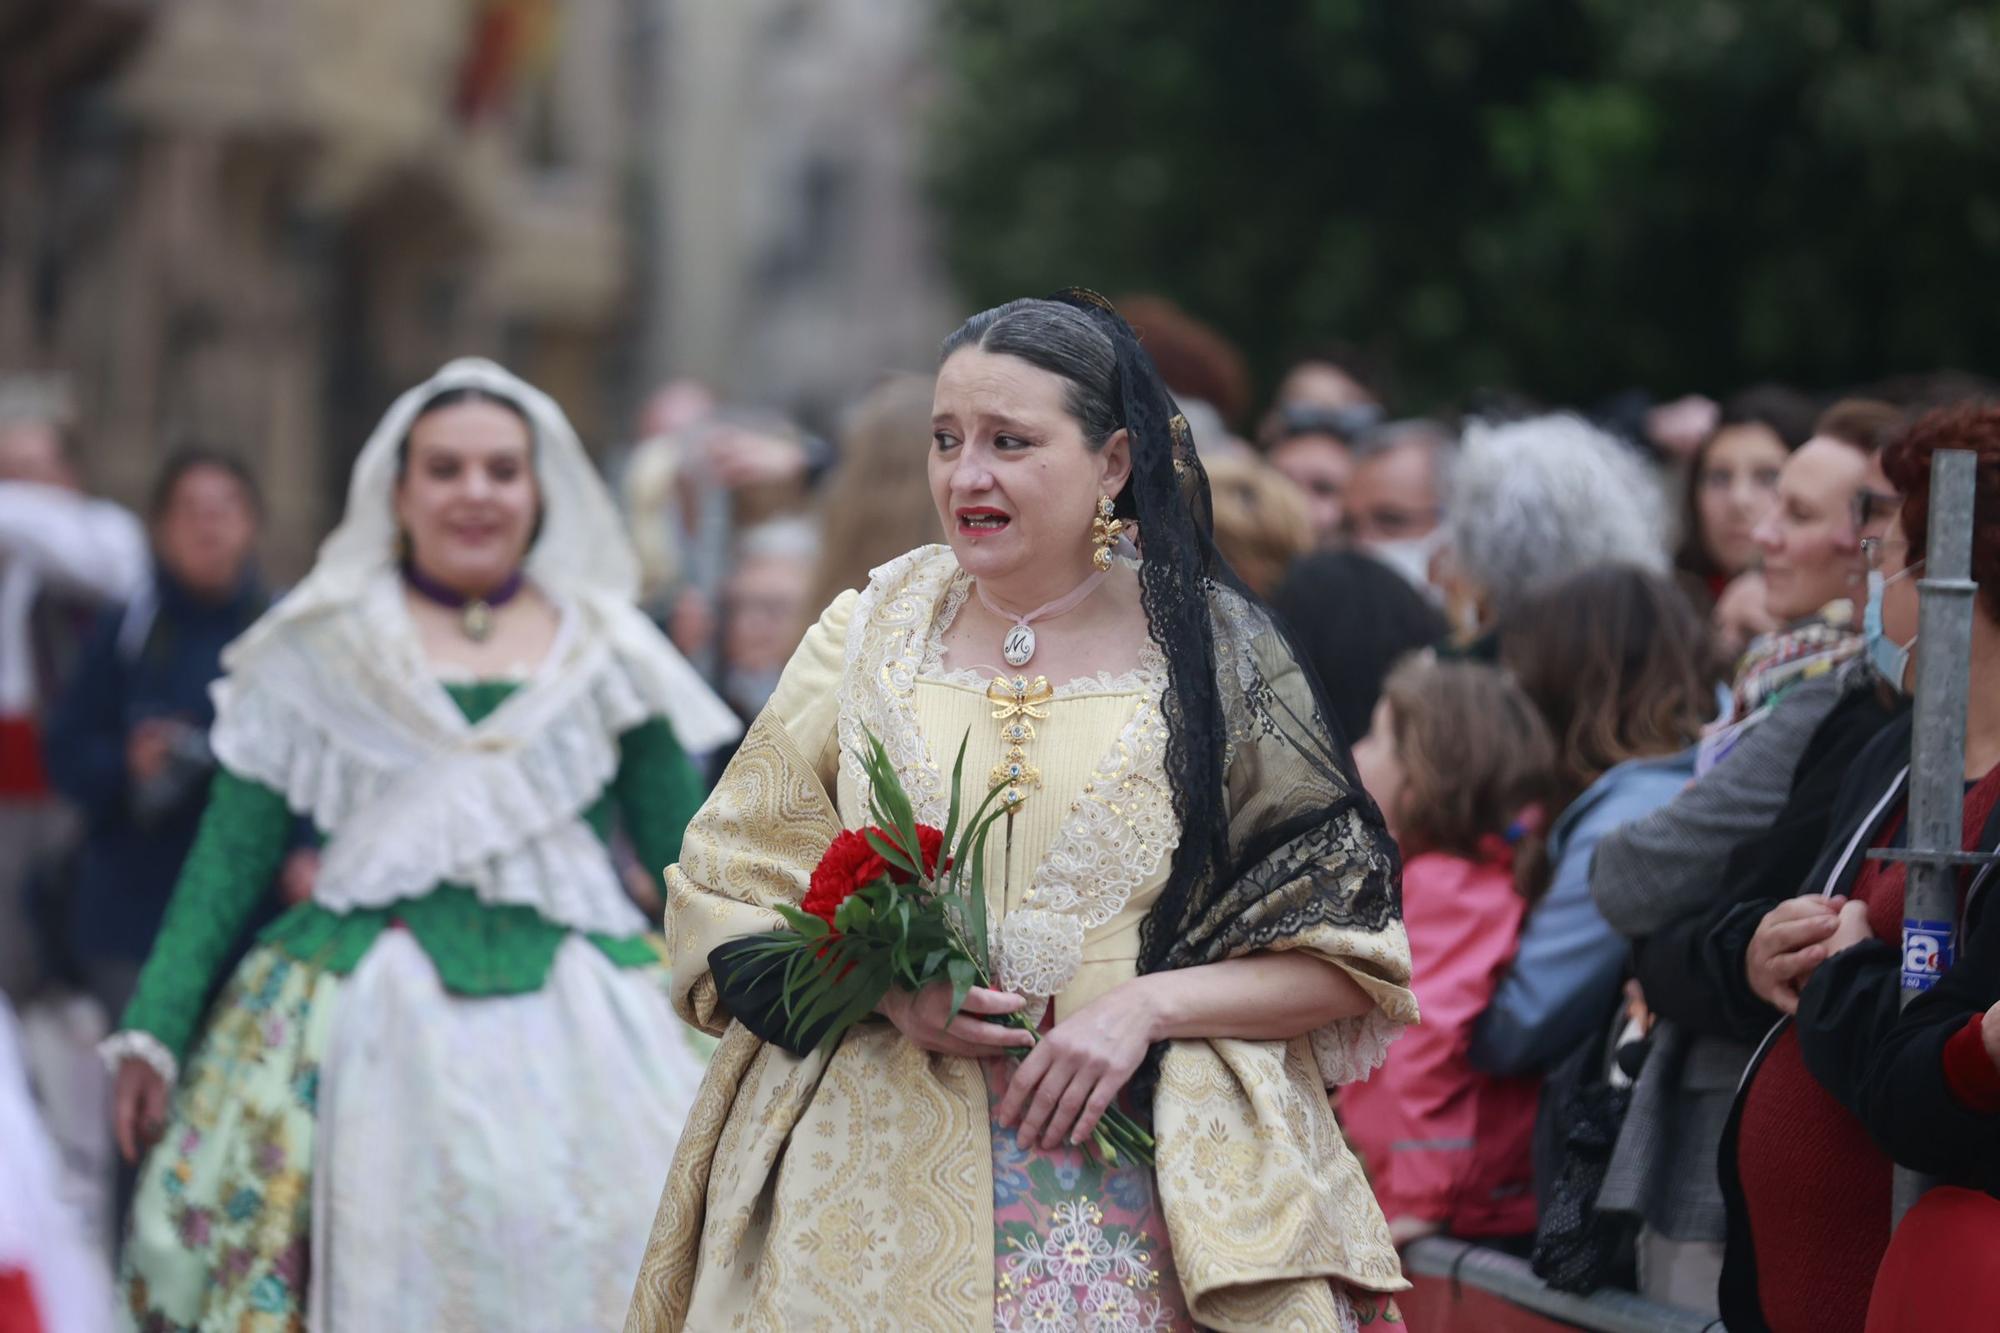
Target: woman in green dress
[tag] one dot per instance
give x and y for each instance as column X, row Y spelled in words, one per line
column 437, row 1087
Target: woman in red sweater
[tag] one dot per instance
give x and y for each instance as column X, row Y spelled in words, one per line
column 1807, row 1183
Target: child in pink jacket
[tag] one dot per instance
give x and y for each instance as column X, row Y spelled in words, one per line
column 1458, row 760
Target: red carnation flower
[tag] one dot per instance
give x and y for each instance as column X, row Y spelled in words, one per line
column 930, row 842
column 851, row 865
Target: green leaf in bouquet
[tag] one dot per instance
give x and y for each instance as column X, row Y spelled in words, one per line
column 966, row 881
column 772, row 943
column 982, row 818
column 854, row 915
column 870, row 982
column 891, row 853
column 831, row 991
column 957, row 777
column 964, row 976
column 975, row 903
column 805, row 923
column 886, row 795
column 800, row 972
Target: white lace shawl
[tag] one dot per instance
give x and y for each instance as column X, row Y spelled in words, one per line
column 329, row 701
column 582, row 557
column 342, row 716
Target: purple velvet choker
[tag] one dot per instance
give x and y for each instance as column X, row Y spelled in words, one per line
column 475, row 614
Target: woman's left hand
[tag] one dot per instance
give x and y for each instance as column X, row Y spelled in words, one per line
column 1065, row 1084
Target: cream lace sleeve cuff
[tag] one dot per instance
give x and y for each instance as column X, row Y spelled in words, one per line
column 1350, row 1049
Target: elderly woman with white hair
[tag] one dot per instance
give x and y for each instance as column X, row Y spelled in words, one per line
column 1558, row 562
column 1532, row 501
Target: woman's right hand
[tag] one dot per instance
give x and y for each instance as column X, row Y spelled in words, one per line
column 139, row 1102
column 926, row 1019
column 1790, row 942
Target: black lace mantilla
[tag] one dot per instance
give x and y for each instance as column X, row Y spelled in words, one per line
column 1277, row 835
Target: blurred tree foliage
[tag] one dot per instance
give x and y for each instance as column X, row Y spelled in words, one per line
column 1561, row 196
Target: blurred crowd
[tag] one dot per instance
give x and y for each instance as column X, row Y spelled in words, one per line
column 1629, row 682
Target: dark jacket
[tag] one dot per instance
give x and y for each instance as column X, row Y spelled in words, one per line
column 1835, row 1005
column 1691, row 969
column 1888, row 1067
column 152, row 659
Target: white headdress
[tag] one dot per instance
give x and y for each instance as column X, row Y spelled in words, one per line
column 582, row 547
column 581, row 555
column 328, row 699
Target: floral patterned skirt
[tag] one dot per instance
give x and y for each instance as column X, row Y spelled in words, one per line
column 1077, row 1244
column 1080, row 1247
column 221, row 1221
column 435, row 1161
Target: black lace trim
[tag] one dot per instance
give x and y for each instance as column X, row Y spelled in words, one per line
column 1305, row 847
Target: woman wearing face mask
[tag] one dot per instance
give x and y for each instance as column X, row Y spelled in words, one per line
column 1194, row 896
column 445, row 1086
column 1807, row 1187
column 1674, row 863
column 1928, row 1088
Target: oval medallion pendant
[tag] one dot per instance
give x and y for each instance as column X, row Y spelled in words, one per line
column 1018, row 646
column 477, row 621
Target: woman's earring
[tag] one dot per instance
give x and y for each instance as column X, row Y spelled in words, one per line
column 1104, row 532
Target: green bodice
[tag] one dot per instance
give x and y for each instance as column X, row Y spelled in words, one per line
column 477, row 948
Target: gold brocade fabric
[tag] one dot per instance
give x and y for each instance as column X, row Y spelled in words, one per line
column 854, row 1191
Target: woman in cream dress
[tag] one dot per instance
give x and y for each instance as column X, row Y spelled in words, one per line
column 1196, row 904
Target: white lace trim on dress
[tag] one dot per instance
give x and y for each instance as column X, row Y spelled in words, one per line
column 411, row 795
column 1350, row 1049
column 132, row 1044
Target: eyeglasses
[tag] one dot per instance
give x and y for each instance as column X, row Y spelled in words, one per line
column 1877, row 552
column 1870, row 507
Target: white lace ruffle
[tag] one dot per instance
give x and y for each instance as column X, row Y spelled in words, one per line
column 885, row 651
column 1037, row 952
column 412, row 796
column 132, row 1044
column 1121, row 827
column 1350, row 1049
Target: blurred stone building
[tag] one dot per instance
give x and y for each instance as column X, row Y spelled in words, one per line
column 252, row 223
column 795, row 256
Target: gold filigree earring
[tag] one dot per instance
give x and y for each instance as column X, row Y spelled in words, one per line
column 1104, row 532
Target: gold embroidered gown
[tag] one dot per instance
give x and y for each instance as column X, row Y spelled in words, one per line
column 859, row 1190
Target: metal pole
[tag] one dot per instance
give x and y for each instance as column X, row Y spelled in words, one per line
column 1937, row 752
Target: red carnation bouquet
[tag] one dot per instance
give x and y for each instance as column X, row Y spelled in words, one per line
column 878, row 914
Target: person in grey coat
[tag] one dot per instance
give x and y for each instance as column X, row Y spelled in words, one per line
column 1647, row 874
column 1671, row 864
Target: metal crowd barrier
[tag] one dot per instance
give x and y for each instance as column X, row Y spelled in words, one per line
column 1463, row 1288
